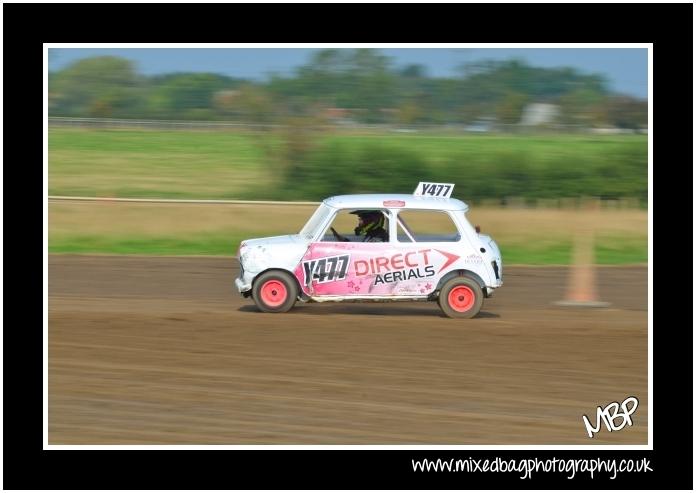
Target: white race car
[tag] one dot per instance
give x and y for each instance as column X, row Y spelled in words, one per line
column 428, row 252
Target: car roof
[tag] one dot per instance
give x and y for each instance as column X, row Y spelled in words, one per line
column 376, row 201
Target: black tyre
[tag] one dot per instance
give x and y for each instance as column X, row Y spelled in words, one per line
column 274, row 291
column 461, row 297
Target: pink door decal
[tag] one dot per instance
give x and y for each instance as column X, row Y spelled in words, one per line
column 372, row 269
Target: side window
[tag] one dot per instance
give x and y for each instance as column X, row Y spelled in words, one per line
column 366, row 225
column 425, row 226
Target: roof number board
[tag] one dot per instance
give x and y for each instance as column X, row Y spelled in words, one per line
column 427, row 189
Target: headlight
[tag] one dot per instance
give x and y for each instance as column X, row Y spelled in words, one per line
column 240, row 254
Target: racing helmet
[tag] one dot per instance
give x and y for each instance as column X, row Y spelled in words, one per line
column 369, row 220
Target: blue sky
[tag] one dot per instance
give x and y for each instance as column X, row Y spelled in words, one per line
column 626, row 69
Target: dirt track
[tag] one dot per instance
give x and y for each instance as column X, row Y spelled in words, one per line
column 165, row 351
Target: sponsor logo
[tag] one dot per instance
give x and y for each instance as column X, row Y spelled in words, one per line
column 399, row 261
column 402, row 266
column 327, row 269
column 451, row 258
column 405, row 275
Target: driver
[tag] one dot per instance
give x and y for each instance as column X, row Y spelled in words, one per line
column 370, row 226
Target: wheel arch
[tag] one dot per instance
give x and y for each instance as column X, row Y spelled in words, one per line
column 300, row 293
column 459, row 273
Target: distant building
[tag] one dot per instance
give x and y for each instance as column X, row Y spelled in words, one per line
column 612, row 131
column 481, row 125
column 339, row 116
column 539, row 114
column 336, row 113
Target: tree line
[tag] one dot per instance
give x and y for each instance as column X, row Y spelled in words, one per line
column 360, row 85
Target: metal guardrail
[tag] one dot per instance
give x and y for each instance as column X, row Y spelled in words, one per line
column 176, row 201
column 112, row 122
column 61, row 121
column 511, row 202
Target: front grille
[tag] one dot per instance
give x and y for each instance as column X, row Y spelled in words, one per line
column 495, row 269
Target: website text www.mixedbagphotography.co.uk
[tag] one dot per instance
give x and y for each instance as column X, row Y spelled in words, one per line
column 527, row 467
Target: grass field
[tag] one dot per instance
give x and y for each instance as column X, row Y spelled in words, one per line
column 216, row 164
column 533, row 236
column 118, row 163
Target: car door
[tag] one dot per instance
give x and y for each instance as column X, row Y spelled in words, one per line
column 339, row 268
column 426, row 245
column 344, row 268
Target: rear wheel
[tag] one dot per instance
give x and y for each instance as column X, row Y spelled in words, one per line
column 461, row 297
column 275, row 291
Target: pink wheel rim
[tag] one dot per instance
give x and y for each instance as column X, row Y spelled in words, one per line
column 461, row 298
column 273, row 293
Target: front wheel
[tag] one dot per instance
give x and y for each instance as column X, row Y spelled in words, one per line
column 461, row 297
column 275, row 291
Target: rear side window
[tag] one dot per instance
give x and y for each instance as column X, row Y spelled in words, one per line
column 425, row 226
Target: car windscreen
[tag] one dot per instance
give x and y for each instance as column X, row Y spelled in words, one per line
column 315, row 222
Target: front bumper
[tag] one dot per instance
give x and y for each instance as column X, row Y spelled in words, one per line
column 242, row 286
column 245, row 279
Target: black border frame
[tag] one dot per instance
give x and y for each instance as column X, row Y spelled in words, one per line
column 27, row 26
